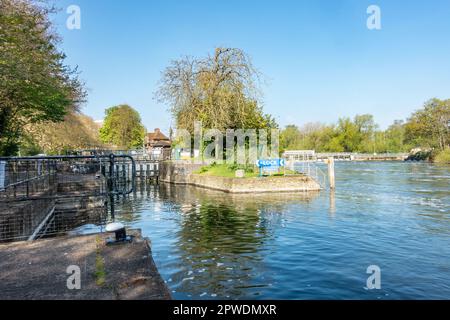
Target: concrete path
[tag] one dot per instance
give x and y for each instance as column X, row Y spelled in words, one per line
column 38, row 269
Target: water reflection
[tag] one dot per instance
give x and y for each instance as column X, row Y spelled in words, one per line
column 210, row 244
column 332, row 209
column 221, row 239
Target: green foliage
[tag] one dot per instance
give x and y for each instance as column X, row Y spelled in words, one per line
column 29, row 147
column 100, row 272
column 291, row 138
column 76, row 132
column 248, row 168
column 357, row 135
column 122, row 127
column 224, row 170
column 443, row 156
column 36, row 86
column 219, row 90
column 428, row 127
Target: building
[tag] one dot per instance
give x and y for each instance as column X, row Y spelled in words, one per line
column 158, row 145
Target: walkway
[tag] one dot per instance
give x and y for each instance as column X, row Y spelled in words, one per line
column 37, row 270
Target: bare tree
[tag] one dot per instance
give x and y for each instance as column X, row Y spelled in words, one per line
column 221, row 90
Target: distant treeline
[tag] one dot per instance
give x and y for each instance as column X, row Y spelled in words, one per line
column 427, row 128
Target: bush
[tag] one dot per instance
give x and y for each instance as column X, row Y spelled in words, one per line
column 443, row 156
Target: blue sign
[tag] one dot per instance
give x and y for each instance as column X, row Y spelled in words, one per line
column 265, row 163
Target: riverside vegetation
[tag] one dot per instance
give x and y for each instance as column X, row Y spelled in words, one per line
column 40, row 99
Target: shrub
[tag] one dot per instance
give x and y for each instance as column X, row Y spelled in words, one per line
column 443, row 156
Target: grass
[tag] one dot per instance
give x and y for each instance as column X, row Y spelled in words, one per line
column 223, row 170
column 443, row 156
column 100, row 273
column 229, row 171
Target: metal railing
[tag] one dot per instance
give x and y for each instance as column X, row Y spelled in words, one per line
column 45, row 196
column 310, row 169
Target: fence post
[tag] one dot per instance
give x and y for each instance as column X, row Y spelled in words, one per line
column 28, row 179
column 331, row 173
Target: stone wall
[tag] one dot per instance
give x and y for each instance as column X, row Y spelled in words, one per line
column 177, row 171
column 183, row 173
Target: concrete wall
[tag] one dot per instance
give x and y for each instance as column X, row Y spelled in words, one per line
column 182, row 173
column 177, row 171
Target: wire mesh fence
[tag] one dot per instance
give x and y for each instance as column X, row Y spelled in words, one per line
column 47, row 196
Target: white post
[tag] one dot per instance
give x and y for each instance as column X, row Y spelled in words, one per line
column 331, row 173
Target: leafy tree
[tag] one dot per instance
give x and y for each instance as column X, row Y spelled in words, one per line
column 219, row 90
column 122, row 127
column 348, row 135
column 367, row 133
column 35, row 85
column 76, row 132
column 395, row 137
column 429, row 125
column 290, row 138
column 357, row 135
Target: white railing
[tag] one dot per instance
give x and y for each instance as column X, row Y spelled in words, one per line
column 309, row 169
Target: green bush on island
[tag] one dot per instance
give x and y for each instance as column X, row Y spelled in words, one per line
column 443, row 156
column 229, row 170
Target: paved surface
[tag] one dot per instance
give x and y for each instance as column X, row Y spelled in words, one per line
column 37, row 270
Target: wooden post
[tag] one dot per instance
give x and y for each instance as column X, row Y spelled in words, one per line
column 331, row 173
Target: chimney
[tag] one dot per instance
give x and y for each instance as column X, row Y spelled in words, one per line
column 157, row 130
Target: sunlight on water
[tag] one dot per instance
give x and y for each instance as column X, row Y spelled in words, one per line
column 211, row 245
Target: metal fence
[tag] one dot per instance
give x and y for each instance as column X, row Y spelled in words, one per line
column 46, row 196
column 310, row 169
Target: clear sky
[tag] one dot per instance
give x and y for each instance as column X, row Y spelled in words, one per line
column 320, row 59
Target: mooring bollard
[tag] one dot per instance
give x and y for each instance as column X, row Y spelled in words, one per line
column 331, row 173
column 120, row 233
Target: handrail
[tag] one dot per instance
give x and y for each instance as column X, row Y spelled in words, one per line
column 109, row 158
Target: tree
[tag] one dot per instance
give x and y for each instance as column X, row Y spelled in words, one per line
column 348, row 135
column 429, row 125
column 220, row 90
column 122, row 127
column 290, row 138
column 367, row 132
column 76, row 132
column 395, row 137
column 35, row 85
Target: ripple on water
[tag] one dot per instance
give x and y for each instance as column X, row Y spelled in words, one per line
column 210, row 245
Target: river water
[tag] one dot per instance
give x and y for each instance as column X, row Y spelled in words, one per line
column 211, row 245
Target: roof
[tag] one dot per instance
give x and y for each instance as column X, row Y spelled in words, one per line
column 157, row 135
column 161, row 144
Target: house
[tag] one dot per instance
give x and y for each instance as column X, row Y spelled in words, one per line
column 158, row 145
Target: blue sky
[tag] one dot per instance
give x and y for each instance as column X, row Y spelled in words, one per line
column 320, row 60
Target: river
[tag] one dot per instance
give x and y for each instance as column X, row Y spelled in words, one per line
column 211, row 245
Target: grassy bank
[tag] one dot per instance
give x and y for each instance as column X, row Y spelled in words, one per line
column 443, row 156
column 225, row 170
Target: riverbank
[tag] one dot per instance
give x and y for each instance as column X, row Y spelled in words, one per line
column 443, row 157
column 37, row 270
column 186, row 174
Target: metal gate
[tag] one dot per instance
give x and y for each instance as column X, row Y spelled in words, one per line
column 46, row 196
